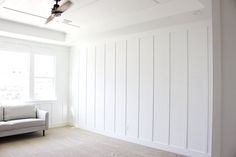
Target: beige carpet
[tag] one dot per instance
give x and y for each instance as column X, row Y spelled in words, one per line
column 72, row 142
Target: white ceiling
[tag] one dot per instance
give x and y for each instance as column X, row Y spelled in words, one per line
column 96, row 15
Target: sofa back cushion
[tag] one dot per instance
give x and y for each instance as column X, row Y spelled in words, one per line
column 1, row 113
column 19, row 112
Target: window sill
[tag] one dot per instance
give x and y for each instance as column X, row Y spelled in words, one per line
column 42, row 101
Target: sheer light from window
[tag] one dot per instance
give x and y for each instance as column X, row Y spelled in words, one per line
column 26, row 77
column 14, row 76
column 44, row 77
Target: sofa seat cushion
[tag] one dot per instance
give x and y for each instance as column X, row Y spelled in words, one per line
column 1, row 113
column 5, row 126
column 26, row 123
column 19, row 112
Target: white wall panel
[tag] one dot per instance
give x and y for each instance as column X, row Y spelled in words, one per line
column 120, row 87
column 152, row 88
column 178, row 83
column 73, row 114
column 57, row 112
column 162, row 88
column 90, row 87
column 198, row 91
column 132, row 87
column 146, row 88
column 100, row 84
column 82, row 86
column 110, row 88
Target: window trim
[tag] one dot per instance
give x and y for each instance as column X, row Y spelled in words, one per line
column 31, row 85
column 32, row 79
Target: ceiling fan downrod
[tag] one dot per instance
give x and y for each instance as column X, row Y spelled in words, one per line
column 55, row 7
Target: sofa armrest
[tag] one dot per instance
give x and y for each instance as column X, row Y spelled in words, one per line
column 41, row 114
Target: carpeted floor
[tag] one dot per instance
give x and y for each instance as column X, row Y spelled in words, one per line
column 72, row 142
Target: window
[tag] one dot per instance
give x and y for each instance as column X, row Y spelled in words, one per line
column 14, row 76
column 26, row 77
column 44, row 77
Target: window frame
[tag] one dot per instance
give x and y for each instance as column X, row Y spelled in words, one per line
column 31, row 76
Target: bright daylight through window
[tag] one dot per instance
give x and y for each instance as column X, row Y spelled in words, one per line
column 44, row 77
column 21, row 82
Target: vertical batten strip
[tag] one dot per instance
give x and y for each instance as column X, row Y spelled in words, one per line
column 86, row 88
column 126, row 46
column 187, row 112
column 153, row 90
column 51, row 118
column 210, row 87
column 208, row 92
column 31, row 76
column 95, row 88
column 138, row 87
column 104, row 109
column 94, row 111
column 115, row 91
column 77, row 116
column 169, row 87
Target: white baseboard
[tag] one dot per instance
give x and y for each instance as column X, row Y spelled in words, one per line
column 56, row 125
column 151, row 144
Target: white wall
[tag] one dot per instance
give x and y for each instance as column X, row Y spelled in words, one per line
column 217, row 80
column 57, row 109
column 152, row 88
column 228, row 58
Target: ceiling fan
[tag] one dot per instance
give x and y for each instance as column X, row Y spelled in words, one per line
column 57, row 10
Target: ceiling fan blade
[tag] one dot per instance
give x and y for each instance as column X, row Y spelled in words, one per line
column 49, row 19
column 65, row 6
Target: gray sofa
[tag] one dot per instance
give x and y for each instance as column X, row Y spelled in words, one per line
column 21, row 119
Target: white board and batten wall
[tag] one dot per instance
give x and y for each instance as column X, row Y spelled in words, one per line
column 58, row 109
column 152, row 88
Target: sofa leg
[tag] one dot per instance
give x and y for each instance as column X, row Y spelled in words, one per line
column 43, row 132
